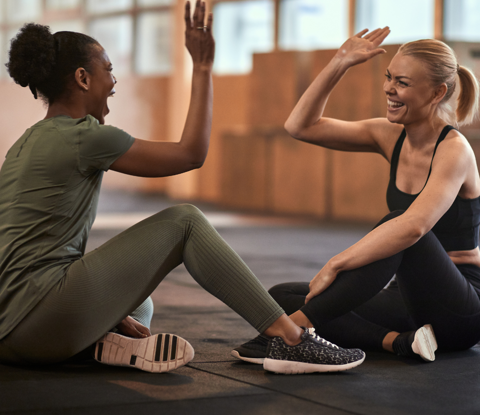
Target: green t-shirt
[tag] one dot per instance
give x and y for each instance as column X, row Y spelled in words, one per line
column 49, row 187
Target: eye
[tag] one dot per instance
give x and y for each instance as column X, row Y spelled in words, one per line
column 402, row 83
column 388, row 76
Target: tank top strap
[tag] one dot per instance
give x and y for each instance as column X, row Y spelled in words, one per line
column 442, row 136
column 396, row 155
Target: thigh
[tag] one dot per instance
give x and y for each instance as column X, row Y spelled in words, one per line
column 387, row 309
column 100, row 289
column 435, row 292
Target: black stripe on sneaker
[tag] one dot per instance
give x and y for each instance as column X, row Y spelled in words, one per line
column 158, row 348
column 133, row 359
column 99, row 351
column 174, row 348
column 165, row 347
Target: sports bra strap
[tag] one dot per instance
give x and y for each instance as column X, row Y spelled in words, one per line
column 398, row 148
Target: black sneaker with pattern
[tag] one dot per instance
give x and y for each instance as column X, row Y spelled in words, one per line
column 253, row 351
column 312, row 354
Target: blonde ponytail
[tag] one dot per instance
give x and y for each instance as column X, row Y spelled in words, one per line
column 467, row 103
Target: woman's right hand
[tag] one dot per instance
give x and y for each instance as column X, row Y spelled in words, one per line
column 360, row 48
column 198, row 36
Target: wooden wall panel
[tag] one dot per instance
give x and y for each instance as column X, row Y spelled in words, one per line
column 359, row 186
column 230, row 112
column 273, row 89
column 244, row 178
column 298, row 177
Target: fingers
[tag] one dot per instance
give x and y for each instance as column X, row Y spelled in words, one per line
column 360, row 34
column 378, row 35
column 188, row 21
column 210, row 21
column 199, row 14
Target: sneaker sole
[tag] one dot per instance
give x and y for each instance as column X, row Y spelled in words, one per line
column 425, row 343
column 157, row 354
column 256, row 360
column 288, row 367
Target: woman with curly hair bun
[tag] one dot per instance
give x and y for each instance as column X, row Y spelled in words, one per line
column 55, row 301
column 429, row 240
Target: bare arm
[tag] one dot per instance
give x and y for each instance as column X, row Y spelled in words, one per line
column 306, row 123
column 163, row 158
column 449, row 172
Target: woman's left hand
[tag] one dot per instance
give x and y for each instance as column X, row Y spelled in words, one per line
column 132, row 328
column 321, row 281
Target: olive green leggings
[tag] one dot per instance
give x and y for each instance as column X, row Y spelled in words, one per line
column 116, row 279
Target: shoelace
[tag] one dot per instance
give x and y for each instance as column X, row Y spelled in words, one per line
column 312, row 333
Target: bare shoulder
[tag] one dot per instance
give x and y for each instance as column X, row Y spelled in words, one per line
column 385, row 134
column 455, row 145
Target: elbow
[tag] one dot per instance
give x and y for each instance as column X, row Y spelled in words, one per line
column 197, row 162
column 293, row 130
column 417, row 229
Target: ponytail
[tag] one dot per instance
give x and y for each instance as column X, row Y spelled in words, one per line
column 467, row 103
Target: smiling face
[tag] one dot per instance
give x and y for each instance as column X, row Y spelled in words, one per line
column 410, row 94
column 101, row 84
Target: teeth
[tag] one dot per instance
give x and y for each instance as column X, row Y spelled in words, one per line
column 394, row 104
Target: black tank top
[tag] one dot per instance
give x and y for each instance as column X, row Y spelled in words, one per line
column 457, row 229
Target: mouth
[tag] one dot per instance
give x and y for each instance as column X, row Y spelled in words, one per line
column 393, row 105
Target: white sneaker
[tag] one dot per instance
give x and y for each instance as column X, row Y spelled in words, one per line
column 425, row 343
column 158, row 353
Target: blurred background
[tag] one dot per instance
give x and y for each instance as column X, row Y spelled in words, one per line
column 268, row 51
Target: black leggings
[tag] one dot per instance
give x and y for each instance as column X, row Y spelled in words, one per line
column 357, row 311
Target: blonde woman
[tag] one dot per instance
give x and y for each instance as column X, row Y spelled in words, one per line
column 430, row 238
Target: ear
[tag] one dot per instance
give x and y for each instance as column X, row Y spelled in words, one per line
column 439, row 93
column 82, row 79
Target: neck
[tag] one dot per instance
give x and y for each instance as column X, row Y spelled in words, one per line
column 422, row 134
column 69, row 109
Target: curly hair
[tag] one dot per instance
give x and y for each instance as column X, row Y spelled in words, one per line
column 47, row 63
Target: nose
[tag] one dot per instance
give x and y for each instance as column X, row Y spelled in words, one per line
column 115, row 79
column 388, row 87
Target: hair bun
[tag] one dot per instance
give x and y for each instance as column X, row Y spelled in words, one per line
column 32, row 55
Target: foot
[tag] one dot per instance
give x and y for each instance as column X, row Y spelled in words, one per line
column 158, row 353
column 253, row 351
column 421, row 343
column 312, row 354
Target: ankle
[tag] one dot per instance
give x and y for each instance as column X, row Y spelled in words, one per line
column 388, row 340
column 402, row 345
column 286, row 329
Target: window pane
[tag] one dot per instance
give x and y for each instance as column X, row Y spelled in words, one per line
column 462, row 20
column 313, row 24
column 146, row 3
column 63, row 4
column 75, row 25
column 23, row 10
column 115, row 35
column 154, row 40
column 242, row 28
column 408, row 20
column 105, row 6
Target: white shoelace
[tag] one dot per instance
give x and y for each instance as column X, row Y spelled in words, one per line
column 312, row 333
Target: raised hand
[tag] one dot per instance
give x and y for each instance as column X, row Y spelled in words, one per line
column 362, row 47
column 198, row 36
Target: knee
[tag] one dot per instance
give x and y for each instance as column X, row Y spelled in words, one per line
column 187, row 211
column 277, row 291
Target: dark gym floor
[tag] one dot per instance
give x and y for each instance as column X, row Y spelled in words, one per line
column 277, row 250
